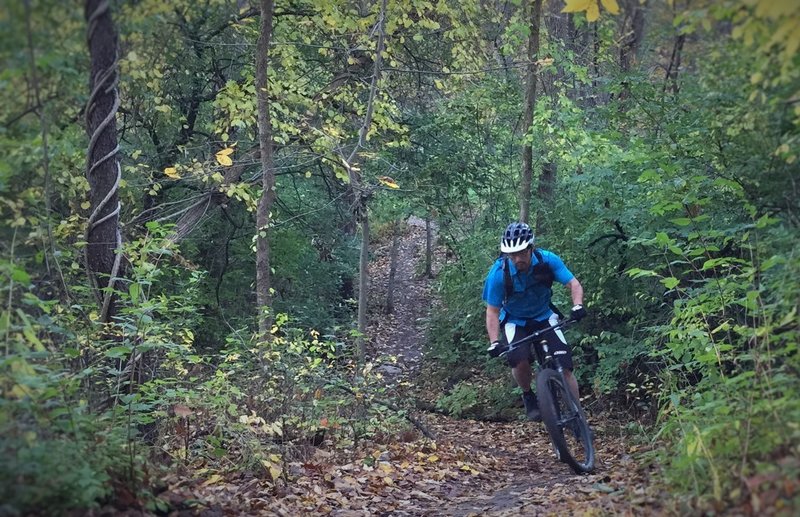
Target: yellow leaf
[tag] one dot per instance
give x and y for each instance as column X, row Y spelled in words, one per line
column 389, row 481
column 433, row 458
column 593, row 12
column 576, row 6
column 389, row 182
column 172, row 172
column 611, row 6
column 225, row 152
column 213, row 479
column 273, row 469
column 19, row 392
column 224, row 160
column 85, row 205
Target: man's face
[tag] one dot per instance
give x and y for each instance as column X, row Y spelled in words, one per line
column 521, row 259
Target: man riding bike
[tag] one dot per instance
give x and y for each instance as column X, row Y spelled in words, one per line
column 517, row 292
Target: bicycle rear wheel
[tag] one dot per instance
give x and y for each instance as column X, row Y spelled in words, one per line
column 565, row 421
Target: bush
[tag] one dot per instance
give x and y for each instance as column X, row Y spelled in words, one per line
column 58, row 473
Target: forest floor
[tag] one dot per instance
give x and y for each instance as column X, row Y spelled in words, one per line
column 470, row 468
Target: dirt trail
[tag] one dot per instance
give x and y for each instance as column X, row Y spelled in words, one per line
column 516, row 472
column 471, row 468
column 402, row 332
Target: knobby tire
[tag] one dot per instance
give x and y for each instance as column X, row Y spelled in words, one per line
column 561, row 414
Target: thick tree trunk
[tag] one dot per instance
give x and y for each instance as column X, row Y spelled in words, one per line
column 534, row 12
column 263, row 280
column 632, row 33
column 632, row 30
column 103, row 170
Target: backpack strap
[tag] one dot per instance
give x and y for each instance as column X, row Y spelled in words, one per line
column 508, row 282
column 544, row 275
column 547, row 278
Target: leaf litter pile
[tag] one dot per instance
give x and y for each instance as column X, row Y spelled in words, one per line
column 473, row 468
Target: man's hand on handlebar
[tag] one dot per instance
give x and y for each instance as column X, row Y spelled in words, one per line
column 496, row 348
column 578, row 312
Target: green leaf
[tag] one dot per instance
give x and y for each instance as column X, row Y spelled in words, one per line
column 30, row 335
column 133, row 290
column 118, row 352
column 19, row 275
column 670, row 282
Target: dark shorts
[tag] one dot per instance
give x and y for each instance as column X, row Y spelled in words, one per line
column 555, row 342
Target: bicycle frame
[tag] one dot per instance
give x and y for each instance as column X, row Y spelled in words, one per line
column 543, row 357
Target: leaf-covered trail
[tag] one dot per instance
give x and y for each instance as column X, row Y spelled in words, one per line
column 472, row 467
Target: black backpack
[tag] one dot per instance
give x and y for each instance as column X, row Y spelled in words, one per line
column 542, row 273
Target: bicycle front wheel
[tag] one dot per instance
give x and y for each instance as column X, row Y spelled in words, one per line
column 565, row 421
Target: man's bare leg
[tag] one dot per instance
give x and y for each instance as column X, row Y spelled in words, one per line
column 523, row 375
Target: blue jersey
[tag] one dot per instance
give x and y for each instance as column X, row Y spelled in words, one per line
column 530, row 299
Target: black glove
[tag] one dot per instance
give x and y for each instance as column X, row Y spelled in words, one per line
column 495, row 349
column 578, row 312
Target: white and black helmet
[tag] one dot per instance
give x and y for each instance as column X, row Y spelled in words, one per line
column 517, row 237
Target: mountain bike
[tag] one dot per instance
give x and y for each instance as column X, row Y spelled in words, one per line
column 561, row 412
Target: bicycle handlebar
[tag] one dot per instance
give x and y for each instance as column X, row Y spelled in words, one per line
column 516, row 344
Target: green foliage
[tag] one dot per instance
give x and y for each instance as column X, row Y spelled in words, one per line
column 675, row 205
column 462, row 399
column 477, row 399
column 60, row 470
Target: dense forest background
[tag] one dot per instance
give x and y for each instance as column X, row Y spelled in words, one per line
column 189, row 191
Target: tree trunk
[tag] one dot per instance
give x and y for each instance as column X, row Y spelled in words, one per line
column 632, row 33
column 363, row 288
column 547, row 185
column 103, row 237
column 534, row 18
column 428, row 247
column 360, row 196
column 393, row 254
column 671, row 79
column 263, row 283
